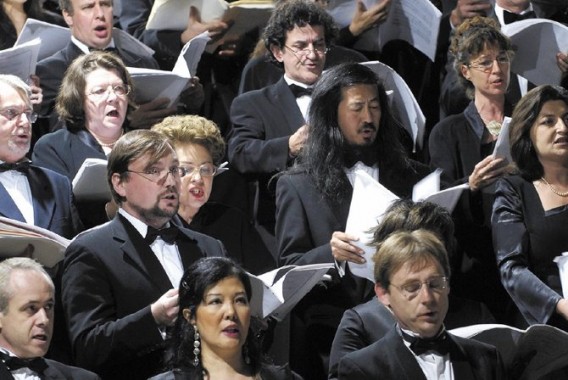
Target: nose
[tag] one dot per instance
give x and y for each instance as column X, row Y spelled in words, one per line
column 98, row 10
column 111, row 95
column 562, row 124
column 196, row 176
column 367, row 115
column 230, row 312
column 426, row 294
column 42, row 317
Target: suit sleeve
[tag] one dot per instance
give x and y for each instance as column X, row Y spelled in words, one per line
column 349, row 370
column 295, row 245
column 535, row 300
column 98, row 337
column 250, row 151
column 443, row 155
column 348, row 338
column 133, row 17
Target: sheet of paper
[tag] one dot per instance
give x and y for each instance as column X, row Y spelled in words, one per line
column 369, row 202
column 190, row 55
column 427, row 186
column 128, row 42
column 53, row 37
column 405, row 107
column 90, row 182
column 502, row 148
column 20, row 60
column 174, row 14
column 151, row 84
column 536, row 61
column 414, row 21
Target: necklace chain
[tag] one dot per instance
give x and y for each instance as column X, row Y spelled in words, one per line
column 559, row 193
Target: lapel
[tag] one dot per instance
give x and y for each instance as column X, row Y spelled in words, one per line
column 71, row 53
column 460, row 361
column 42, row 196
column 4, row 373
column 52, row 373
column 403, row 358
column 139, row 254
column 7, row 206
column 188, row 247
column 286, row 101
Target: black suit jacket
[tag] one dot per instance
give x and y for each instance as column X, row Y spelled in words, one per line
column 53, row 204
column 263, row 121
column 55, row 371
column 52, row 69
column 366, row 323
column 110, row 278
column 389, row 358
column 65, row 152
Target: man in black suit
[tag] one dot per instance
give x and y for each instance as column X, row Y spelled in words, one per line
column 26, row 324
column 120, row 279
column 269, row 125
column 351, row 130
column 412, row 279
column 29, row 193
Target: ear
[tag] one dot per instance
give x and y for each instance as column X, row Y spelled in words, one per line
column 276, row 52
column 465, row 72
column 68, row 19
column 187, row 315
column 383, row 295
column 118, row 184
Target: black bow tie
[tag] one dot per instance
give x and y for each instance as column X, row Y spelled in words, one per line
column 168, row 234
column 510, row 17
column 38, row 365
column 439, row 344
column 299, row 91
column 22, row 166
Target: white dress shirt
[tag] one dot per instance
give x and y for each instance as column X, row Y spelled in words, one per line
column 434, row 365
column 303, row 101
column 167, row 254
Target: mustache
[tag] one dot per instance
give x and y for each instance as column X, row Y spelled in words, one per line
column 368, row 126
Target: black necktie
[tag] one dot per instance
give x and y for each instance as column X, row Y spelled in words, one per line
column 510, row 17
column 300, row 91
column 38, row 365
column 22, row 166
column 439, row 344
column 168, row 234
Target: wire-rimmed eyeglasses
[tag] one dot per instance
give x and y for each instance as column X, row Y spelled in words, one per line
column 412, row 288
column 12, row 113
column 318, row 48
column 205, row 170
column 486, row 64
column 117, row 89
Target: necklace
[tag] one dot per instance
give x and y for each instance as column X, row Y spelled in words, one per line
column 111, row 145
column 559, row 193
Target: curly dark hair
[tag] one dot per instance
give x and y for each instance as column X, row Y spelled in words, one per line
column 197, row 278
column 471, row 38
column 524, row 117
column 287, row 15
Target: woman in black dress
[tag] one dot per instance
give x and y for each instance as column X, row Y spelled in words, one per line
column 530, row 214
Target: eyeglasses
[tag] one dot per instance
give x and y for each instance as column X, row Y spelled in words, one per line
column 102, row 92
column 411, row 289
column 486, row 64
column 159, row 175
column 318, row 48
column 14, row 113
column 205, row 170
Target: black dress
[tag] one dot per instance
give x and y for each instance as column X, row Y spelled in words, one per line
column 526, row 239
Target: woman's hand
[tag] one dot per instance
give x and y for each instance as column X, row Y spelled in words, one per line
column 148, row 114
column 343, row 250
column 364, row 19
column 486, row 172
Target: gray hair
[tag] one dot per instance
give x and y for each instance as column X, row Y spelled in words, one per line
column 7, row 267
column 17, row 84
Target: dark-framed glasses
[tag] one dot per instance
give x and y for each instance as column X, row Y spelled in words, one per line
column 319, row 48
column 486, row 64
column 411, row 289
column 205, row 170
column 11, row 113
column 159, row 175
column 103, row 92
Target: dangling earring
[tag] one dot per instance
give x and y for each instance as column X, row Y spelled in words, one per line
column 196, row 345
column 246, row 355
